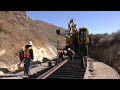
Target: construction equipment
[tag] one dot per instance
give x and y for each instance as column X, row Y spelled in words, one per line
column 77, row 40
column 83, row 39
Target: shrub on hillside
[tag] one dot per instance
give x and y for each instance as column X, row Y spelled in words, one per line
column 3, row 30
column 100, row 39
column 116, row 36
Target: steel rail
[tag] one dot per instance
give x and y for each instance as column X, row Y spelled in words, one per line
column 49, row 72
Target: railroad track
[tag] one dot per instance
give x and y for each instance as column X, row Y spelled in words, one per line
column 66, row 69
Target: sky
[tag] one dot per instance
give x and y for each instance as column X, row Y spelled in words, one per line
column 97, row 22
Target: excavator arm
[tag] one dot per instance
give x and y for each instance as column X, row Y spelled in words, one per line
column 62, row 33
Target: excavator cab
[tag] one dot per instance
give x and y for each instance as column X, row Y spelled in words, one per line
column 83, row 36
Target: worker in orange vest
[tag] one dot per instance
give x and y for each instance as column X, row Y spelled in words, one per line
column 29, row 56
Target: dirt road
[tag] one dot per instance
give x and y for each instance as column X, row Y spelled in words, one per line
column 99, row 70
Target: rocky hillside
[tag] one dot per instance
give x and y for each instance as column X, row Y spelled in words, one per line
column 16, row 30
column 106, row 48
column 49, row 31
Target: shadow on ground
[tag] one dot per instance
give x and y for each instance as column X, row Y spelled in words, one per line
column 4, row 70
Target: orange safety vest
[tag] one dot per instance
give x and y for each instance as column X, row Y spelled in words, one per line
column 27, row 53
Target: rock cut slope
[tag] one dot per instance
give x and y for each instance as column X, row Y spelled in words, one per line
column 106, row 48
column 16, row 30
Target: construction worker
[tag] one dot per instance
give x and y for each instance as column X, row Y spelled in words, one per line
column 71, row 54
column 29, row 56
column 61, row 53
column 21, row 54
column 65, row 54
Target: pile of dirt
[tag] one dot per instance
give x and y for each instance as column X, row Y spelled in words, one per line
column 106, row 48
column 16, row 30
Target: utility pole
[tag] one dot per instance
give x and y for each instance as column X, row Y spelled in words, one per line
column 57, row 42
column 58, row 33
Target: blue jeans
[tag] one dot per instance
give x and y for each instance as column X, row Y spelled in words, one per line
column 27, row 66
column 71, row 58
column 60, row 57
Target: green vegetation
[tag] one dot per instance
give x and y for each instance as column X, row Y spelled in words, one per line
column 2, row 29
column 105, row 39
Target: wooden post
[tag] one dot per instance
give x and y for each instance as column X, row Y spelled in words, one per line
column 57, row 42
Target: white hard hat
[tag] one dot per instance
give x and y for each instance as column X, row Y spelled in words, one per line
column 65, row 51
column 23, row 49
column 68, row 48
column 30, row 43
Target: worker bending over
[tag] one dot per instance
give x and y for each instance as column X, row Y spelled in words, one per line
column 61, row 53
column 71, row 54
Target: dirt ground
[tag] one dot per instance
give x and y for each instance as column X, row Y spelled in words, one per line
column 19, row 74
column 95, row 70
column 99, row 70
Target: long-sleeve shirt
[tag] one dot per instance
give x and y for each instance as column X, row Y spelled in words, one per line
column 21, row 55
column 31, row 54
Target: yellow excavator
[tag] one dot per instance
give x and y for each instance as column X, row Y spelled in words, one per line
column 77, row 40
